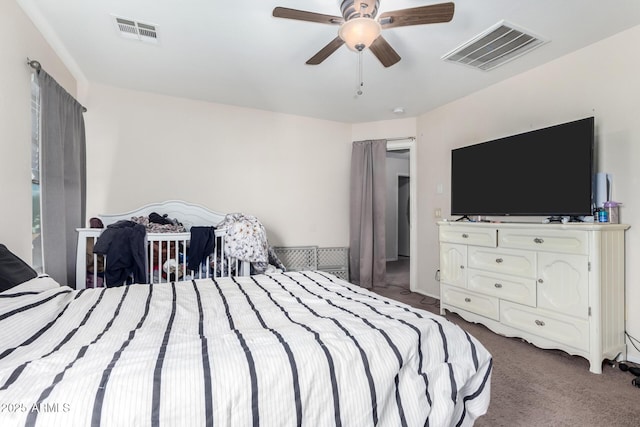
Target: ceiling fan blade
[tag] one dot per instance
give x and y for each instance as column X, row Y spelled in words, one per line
column 325, row 51
column 431, row 14
column 301, row 15
column 384, row 52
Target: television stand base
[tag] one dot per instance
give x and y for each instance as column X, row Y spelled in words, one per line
column 562, row 219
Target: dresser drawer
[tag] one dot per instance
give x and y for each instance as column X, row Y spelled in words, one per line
column 511, row 288
column 566, row 241
column 505, row 261
column 479, row 304
column 479, row 236
column 564, row 330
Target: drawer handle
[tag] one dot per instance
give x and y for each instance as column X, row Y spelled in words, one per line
column 465, row 236
column 540, row 281
column 467, row 299
column 462, row 267
column 538, row 240
column 499, row 260
column 539, row 323
column 497, row 285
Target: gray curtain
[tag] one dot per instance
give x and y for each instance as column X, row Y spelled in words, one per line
column 367, row 256
column 63, row 188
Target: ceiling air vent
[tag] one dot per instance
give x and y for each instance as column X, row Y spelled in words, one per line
column 499, row 44
column 131, row 29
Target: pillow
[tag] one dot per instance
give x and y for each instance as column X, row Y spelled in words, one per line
column 13, row 270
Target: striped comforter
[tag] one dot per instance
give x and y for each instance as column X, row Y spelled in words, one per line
column 286, row 349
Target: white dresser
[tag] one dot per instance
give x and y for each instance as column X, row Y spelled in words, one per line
column 557, row 286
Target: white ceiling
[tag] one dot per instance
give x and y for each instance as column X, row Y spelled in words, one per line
column 235, row 52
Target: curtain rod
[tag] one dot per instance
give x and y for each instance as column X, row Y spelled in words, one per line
column 412, row 138
column 36, row 66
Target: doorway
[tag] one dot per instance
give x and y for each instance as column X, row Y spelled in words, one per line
column 399, row 215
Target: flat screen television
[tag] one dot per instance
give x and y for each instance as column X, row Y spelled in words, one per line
column 545, row 172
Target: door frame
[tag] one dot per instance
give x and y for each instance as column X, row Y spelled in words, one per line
column 398, row 178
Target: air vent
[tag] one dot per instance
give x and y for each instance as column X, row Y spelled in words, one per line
column 499, row 44
column 131, row 29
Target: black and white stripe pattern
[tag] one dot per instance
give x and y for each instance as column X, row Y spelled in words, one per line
column 290, row 349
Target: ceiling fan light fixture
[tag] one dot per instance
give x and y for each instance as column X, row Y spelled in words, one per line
column 359, row 33
column 361, row 27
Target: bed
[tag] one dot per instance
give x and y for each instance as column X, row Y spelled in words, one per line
column 279, row 349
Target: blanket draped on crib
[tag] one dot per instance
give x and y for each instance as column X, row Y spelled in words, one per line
column 246, row 238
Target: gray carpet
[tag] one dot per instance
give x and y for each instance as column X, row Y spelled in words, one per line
column 532, row 386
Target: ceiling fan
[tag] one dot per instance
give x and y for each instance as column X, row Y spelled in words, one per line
column 359, row 28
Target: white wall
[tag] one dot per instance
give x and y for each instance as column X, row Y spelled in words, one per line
column 600, row 80
column 399, row 128
column 20, row 39
column 291, row 172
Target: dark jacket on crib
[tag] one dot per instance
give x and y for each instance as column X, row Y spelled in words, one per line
column 123, row 243
column 201, row 245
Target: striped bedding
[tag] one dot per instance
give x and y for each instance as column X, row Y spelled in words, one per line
column 285, row 349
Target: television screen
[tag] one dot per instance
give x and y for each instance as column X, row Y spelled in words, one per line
column 545, row 172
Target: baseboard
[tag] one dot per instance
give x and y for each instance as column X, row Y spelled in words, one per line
column 633, row 358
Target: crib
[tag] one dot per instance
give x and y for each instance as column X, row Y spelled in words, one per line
column 165, row 259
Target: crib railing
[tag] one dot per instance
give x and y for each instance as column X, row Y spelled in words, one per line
column 166, row 259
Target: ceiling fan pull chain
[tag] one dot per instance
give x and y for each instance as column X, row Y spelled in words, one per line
column 360, row 82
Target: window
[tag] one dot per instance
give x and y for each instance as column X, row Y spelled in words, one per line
column 35, row 176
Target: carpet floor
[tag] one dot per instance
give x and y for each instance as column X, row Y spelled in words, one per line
column 533, row 387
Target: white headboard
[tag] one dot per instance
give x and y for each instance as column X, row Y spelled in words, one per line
column 187, row 213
